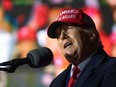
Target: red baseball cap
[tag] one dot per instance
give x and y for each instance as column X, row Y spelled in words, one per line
column 26, row 33
column 70, row 15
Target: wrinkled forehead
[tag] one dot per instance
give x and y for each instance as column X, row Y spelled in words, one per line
column 66, row 26
column 62, row 26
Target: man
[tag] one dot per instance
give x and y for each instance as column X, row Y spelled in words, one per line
column 79, row 42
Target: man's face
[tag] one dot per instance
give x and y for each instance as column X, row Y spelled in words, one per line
column 71, row 43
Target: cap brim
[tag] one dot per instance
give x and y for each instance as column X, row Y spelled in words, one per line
column 52, row 28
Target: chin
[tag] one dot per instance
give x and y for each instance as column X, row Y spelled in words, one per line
column 70, row 52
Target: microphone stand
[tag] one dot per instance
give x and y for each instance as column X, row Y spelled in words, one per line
column 11, row 66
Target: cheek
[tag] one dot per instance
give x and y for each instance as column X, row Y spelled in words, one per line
column 78, row 45
column 60, row 46
column 77, row 41
column 59, row 43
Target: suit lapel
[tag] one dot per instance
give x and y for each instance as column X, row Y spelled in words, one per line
column 87, row 72
column 61, row 80
column 95, row 61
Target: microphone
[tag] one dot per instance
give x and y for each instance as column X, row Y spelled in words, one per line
column 36, row 58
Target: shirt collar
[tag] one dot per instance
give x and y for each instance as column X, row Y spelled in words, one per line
column 82, row 64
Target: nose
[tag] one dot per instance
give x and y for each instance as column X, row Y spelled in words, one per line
column 64, row 35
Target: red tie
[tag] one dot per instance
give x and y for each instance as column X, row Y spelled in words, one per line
column 73, row 79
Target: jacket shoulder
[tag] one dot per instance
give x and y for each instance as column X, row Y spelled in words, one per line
column 60, row 80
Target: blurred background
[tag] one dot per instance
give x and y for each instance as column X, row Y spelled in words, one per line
column 23, row 26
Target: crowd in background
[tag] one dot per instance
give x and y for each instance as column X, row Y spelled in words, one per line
column 21, row 33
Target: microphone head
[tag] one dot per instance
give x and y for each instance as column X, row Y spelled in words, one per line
column 40, row 57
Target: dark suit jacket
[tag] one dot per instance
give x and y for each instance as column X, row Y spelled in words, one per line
column 99, row 72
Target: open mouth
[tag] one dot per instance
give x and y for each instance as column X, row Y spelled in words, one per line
column 67, row 44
